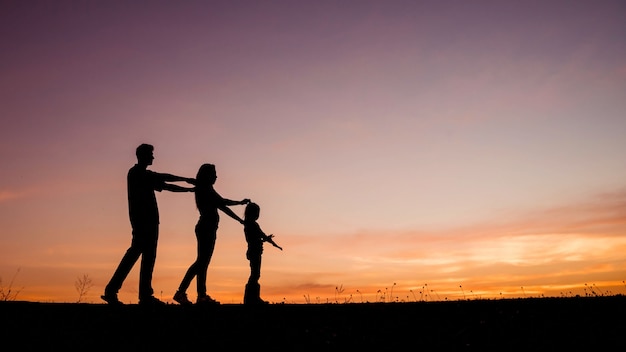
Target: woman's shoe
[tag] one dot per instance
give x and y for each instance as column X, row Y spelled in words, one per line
column 181, row 298
column 206, row 300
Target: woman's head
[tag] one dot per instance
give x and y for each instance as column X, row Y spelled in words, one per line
column 252, row 211
column 206, row 175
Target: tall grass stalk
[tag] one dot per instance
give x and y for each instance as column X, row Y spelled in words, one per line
column 83, row 285
column 7, row 294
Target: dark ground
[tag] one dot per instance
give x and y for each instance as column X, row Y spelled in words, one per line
column 530, row 324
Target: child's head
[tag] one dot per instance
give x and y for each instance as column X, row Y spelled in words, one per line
column 252, row 211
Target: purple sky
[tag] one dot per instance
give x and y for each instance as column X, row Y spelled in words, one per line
column 386, row 141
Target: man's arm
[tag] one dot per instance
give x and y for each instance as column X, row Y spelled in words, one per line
column 176, row 188
column 175, row 178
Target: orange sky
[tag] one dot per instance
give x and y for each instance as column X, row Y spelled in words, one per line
column 399, row 150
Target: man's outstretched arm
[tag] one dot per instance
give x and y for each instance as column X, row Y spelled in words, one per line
column 175, row 178
column 176, row 188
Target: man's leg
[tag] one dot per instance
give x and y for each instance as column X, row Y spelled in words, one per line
column 148, row 259
column 126, row 264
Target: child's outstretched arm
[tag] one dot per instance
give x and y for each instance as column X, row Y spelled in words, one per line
column 270, row 239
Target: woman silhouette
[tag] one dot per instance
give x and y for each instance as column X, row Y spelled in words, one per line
column 208, row 201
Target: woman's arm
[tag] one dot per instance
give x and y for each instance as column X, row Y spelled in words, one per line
column 230, row 202
column 224, row 203
column 230, row 213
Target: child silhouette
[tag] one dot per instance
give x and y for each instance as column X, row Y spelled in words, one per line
column 255, row 238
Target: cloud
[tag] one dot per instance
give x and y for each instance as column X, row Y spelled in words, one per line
column 560, row 245
column 8, row 195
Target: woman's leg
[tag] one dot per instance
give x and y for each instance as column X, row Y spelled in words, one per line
column 206, row 246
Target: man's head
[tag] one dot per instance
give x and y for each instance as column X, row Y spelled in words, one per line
column 145, row 154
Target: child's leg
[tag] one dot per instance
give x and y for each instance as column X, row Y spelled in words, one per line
column 253, row 289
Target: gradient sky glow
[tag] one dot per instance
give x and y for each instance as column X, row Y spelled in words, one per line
column 399, row 150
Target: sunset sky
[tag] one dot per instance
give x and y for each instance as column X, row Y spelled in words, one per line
column 399, row 150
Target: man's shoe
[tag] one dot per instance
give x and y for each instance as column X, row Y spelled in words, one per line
column 111, row 299
column 206, row 300
column 151, row 301
column 181, row 298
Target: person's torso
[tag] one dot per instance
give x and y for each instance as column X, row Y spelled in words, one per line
column 207, row 202
column 253, row 233
column 142, row 204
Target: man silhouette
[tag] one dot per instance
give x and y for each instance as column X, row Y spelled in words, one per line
column 144, row 219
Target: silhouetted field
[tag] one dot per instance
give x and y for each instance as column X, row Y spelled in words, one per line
column 530, row 324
